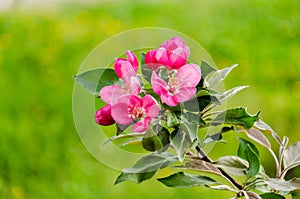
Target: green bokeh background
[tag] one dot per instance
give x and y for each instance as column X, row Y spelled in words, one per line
column 41, row 155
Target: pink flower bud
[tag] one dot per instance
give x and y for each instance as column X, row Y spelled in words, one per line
column 131, row 63
column 151, row 61
column 133, row 60
column 103, row 116
column 172, row 54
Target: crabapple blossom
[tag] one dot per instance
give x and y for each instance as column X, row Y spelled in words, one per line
column 172, row 54
column 179, row 86
column 131, row 108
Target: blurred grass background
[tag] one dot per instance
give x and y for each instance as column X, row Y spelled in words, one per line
column 42, row 46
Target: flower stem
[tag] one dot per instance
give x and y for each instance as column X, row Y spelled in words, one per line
column 228, row 177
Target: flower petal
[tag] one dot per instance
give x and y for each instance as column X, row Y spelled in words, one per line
column 110, row 94
column 142, row 125
column 151, row 61
column 132, row 59
column 174, row 53
column 135, row 101
column 178, row 58
column 162, row 57
column 135, row 86
column 185, row 93
column 158, row 85
column 150, row 106
column 117, row 65
column 189, row 75
column 119, row 113
column 168, row 99
column 180, row 43
column 127, row 72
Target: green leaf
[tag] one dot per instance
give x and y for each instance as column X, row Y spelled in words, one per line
column 189, row 116
column 291, row 156
column 222, row 187
column 181, row 141
column 282, row 185
column 132, row 141
column 230, row 93
column 121, row 128
column 271, row 196
column 155, row 140
column 251, row 195
column 249, row 152
column 258, row 136
column 191, row 128
column 201, row 103
column 147, row 73
column 237, row 116
column 94, row 80
column 213, row 79
column 151, row 141
column 217, row 136
column 242, row 148
column 200, row 165
column 233, row 165
column 152, row 162
column 261, row 125
column 134, row 177
column 206, row 69
column 172, row 119
column 206, row 100
column 253, row 160
column 124, row 136
column 146, row 167
column 184, row 180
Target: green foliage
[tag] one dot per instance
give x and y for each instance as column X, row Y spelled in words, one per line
column 204, row 101
column 95, row 80
column 291, row 156
column 184, row 180
column 153, row 141
column 152, row 162
column 283, row 185
column 145, row 70
column 243, row 146
column 249, row 152
column 181, row 141
column 134, row 177
column 237, row 116
column 234, row 165
column 215, row 78
column 271, row 196
column 253, row 160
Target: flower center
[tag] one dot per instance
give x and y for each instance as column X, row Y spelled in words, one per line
column 126, row 89
column 173, row 84
column 135, row 112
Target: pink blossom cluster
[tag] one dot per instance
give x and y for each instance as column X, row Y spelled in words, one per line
column 126, row 104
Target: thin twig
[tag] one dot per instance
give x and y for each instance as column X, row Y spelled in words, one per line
column 224, row 174
column 251, row 184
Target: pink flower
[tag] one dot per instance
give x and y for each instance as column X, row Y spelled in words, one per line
column 131, row 108
column 110, row 94
column 172, row 53
column 103, row 116
column 126, row 70
column 180, row 85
